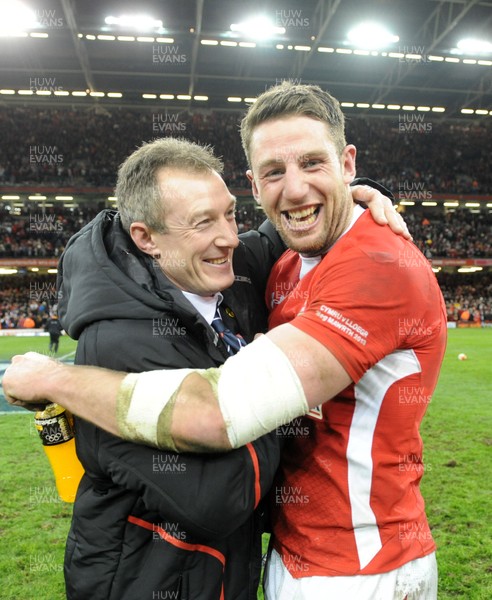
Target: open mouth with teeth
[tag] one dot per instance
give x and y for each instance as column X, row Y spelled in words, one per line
column 217, row 261
column 301, row 219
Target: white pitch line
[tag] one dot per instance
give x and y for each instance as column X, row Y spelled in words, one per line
column 66, row 355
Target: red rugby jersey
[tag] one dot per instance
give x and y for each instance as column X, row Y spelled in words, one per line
column 347, row 498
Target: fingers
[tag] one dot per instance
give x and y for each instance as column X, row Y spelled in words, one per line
column 27, row 405
column 36, row 356
column 22, row 376
column 17, row 358
column 33, row 356
column 382, row 210
column 374, row 200
column 398, row 225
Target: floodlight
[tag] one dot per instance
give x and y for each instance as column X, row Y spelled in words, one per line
column 16, row 18
column 8, row 271
column 140, row 22
column 474, row 46
column 371, row 35
column 258, row 27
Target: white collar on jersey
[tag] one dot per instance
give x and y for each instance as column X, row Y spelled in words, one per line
column 308, row 263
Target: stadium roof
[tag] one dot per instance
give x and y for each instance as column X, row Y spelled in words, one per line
column 194, row 53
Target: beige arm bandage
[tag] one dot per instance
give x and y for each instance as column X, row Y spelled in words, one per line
column 141, row 403
column 257, row 390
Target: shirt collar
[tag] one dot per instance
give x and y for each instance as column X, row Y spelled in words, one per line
column 205, row 305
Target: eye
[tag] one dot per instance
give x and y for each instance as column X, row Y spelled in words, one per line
column 276, row 172
column 231, row 214
column 203, row 223
column 310, row 162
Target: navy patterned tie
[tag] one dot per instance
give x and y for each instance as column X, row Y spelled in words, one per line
column 232, row 342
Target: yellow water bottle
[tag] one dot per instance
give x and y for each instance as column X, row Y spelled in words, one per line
column 55, row 428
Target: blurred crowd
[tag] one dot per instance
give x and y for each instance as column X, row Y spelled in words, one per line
column 42, row 233
column 412, row 154
column 459, row 234
column 416, row 159
column 28, row 299
column 85, row 147
column 467, row 297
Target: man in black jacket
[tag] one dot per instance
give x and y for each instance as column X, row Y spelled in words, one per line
column 54, row 328
column 139, row 290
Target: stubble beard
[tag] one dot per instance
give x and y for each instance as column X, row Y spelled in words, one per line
column 332, row 227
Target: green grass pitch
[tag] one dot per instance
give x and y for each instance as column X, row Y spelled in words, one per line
column 457, row 432
column 10, row 345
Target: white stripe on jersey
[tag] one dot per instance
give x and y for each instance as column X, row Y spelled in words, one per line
column 369, row 395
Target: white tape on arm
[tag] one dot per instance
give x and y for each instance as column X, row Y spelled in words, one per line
column 259, row 390
column 141, row 399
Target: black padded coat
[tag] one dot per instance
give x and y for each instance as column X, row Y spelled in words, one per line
column 147, row 523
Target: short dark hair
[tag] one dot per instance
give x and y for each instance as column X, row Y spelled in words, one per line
column 289, row 99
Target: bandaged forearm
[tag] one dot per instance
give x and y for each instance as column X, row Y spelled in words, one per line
column 144, row 406
column 256, row 390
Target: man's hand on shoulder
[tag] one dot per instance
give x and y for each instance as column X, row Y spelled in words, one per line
column 382, row 210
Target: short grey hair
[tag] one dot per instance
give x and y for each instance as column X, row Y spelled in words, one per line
column 139, row 196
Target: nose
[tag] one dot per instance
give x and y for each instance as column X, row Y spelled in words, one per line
column 227, row 234
column 294, row 184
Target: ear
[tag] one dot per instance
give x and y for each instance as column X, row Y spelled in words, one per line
column 254, row 188
column 142, row 238
column 347, row 161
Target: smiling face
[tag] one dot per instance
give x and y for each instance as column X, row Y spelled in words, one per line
column 195, row 252
column 301, row 181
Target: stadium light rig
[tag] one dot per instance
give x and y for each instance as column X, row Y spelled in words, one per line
column 258, row 28
column 16, row 18
column 474, row 46
column 371, row 35
column 140, row 22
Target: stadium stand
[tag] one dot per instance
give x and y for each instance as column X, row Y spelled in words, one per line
column 83, row 149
